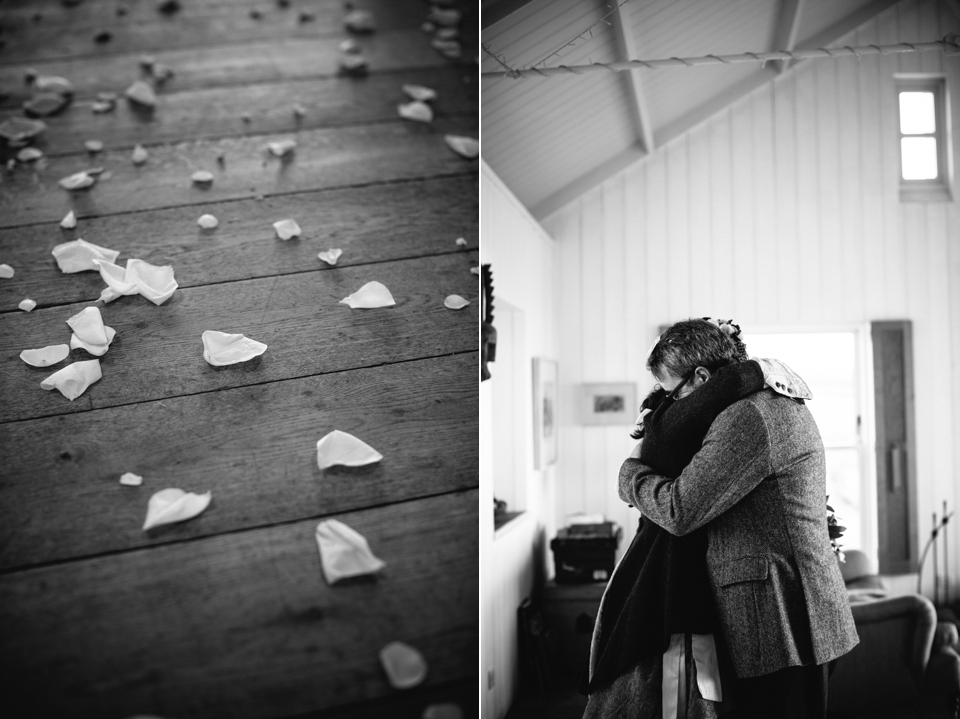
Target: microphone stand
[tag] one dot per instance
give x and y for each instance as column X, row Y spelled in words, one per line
column 923, row 557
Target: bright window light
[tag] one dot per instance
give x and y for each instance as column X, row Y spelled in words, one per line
column 917, row 116
column 828, row 363
column 919, row 158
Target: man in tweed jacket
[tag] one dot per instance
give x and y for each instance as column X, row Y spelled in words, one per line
column 758, row 484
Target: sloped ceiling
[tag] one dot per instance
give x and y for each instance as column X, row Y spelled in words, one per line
column 551, row 139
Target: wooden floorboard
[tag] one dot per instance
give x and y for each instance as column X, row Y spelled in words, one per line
column 77, row 642
column 362, row 221
column 323, row 158
column 158, row 352
column 218, row 112
column 227, row 614
column 38, row 31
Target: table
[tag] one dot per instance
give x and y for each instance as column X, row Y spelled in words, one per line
column 227, row 614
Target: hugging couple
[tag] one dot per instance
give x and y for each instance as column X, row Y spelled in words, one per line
column 729, row 600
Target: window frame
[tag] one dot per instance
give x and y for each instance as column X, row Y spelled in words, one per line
column 940, row 189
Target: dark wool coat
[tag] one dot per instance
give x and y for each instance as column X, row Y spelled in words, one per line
column 759, row 485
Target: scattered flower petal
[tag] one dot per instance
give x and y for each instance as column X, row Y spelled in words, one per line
column 29, row 154
column 95, row 349
column 299, row 110
column 221, row 349
column 360, row 21
column 139, row 155
column 174, row 505
column 20, row 129
column 6, row 272
column 450, row 49
column 115, row 277
column 442, row 711
column 475, row 270
column 45, row 103
column 73, row 380
column 448, row 33
column 141, row 93
column 353, row 64
column 286, row 229
column 419, row 92
column 371, row 295
column 404, row 665
column 78, row 181
column 343, row 448
column 101, row 107
column 45, row 356
column 465, row 146
column 201, row 177
column 415, row 110
column 53, row 83
column 130, row 479
column 349, row 46
column 69, row 221
column 93, row 145
column 455, row 302
column 331, row 256
column 160, row 73
column 344, row 552
column 155, row 282
column 461, row 242
column 78, row 255
column 88, row 326
column 281, row 148
column 208, row 222
column 27, row 305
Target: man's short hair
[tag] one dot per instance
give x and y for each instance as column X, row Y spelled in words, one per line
column 689, row 344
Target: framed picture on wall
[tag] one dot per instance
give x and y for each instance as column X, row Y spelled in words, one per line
column 545, row 392
column 608, row 403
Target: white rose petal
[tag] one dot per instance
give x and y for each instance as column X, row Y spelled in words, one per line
column 208, row 222
column 455, row 302
column 344, row 552
column 343, row 448
column 174, row 505
column 331, row 256
column 221, row 349
column 45, row 356
column 27, row 305
column 286, row 229
column 69, row 221
column 73, row 380
column 371, row 295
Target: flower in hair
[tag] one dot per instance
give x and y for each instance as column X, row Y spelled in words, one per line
column 728, row 327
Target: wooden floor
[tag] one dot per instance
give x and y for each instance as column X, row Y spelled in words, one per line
column 227, row 614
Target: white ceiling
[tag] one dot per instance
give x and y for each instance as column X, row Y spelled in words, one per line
column 551, row 139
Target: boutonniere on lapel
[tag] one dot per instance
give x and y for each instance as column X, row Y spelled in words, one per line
column 835, row 530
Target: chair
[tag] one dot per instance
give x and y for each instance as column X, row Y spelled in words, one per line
column 906, row 664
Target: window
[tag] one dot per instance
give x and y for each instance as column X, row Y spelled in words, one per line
column 925, row 173
column 833, row 365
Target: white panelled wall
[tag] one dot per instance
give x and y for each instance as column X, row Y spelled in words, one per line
column 783, row 210
column 522, row 257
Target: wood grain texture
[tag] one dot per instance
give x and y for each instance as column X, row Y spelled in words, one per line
column 218, row 112
column 361, row 221
column 241, row 625
column 230, row 65
column 253, row 447
column 158, row 352
column 38, row 31
column 324, row 158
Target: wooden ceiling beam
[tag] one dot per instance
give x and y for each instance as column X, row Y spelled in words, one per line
column 627, row 50
column 787, row 26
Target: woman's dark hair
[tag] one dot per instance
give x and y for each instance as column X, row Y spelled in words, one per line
column 689, row 344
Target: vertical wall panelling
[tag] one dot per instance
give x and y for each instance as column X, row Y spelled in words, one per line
column 808, row 166
column 513, row 243
column 698, row 202
column 787, row 293
column 783, row 209
column 742, row 191
column 720, row 238
column 766, row 269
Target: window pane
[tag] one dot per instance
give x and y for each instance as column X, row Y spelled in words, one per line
column 919, row 158
column 916, row 113
column 827, row 363
column 843, row 488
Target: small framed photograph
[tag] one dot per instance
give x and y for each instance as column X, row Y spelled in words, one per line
column 545, row 418
column 608, row 403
